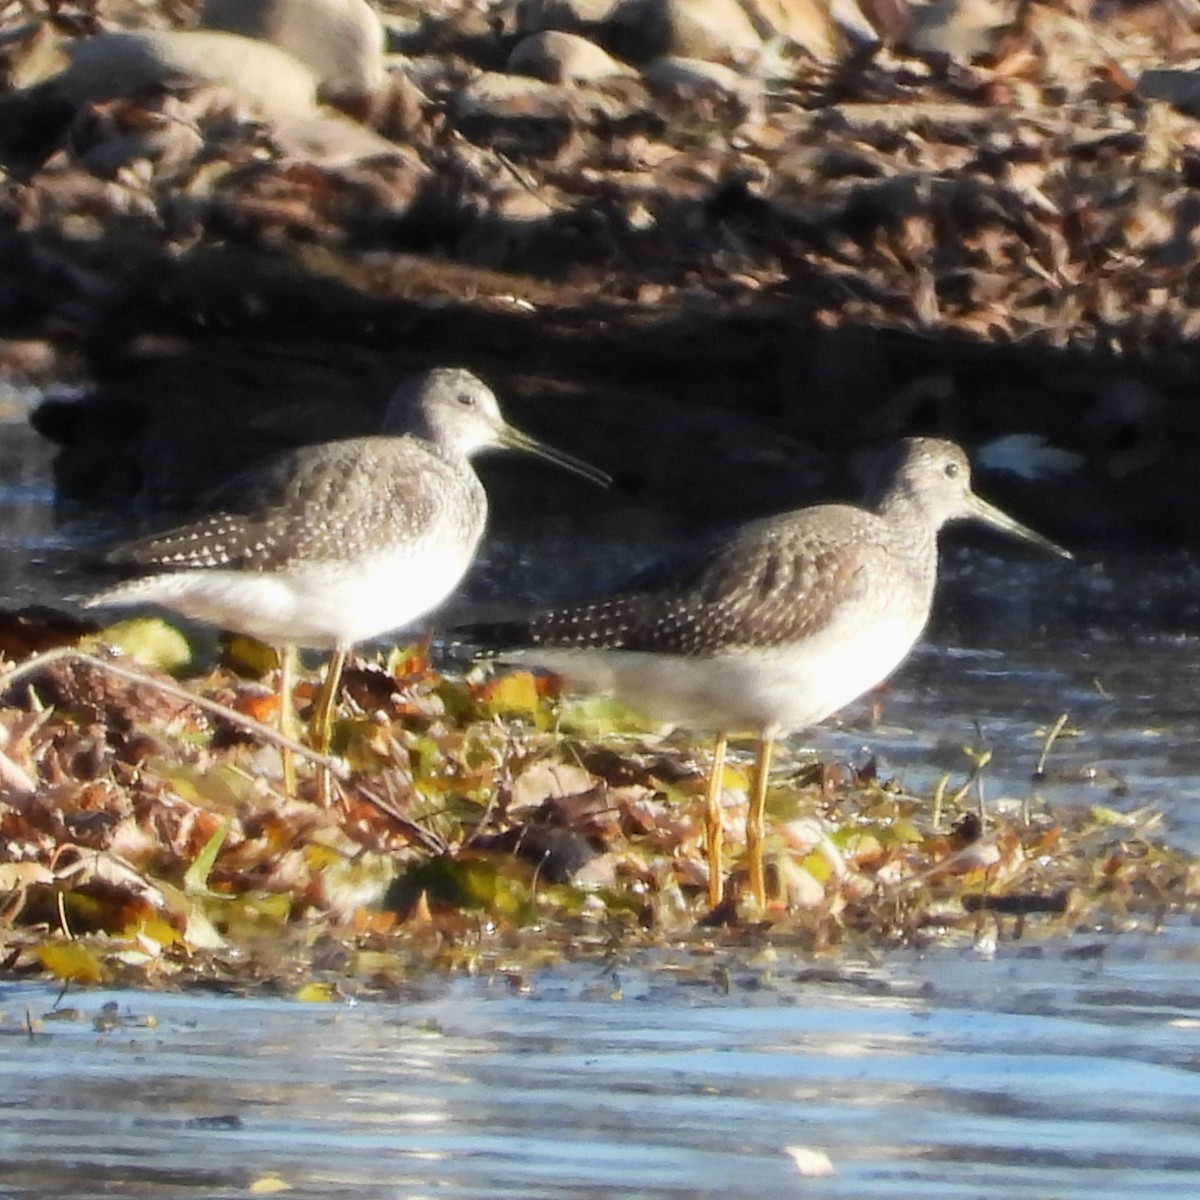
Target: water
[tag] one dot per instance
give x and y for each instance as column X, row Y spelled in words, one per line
column 1043, row 1071
column 1023, row 1076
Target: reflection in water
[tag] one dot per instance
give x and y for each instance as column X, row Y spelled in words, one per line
column 1021, row 1076
column 1133, row 716
column 39, row 550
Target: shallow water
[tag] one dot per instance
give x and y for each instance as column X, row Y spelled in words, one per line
column 1032, row 1075
column 1044, row 1071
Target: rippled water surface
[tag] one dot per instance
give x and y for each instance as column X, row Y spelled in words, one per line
column 1048, row 1071
column 1051, row 1075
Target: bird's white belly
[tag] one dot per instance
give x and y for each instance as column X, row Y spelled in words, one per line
column 775, row 689
column 319, row 605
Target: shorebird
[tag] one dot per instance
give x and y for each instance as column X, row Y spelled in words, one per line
column 783, row 624
column 330, row 545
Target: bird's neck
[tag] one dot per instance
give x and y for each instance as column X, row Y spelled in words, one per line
column 914, row 528
column 448, row 453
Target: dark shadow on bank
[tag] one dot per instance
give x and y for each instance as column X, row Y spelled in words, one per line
column 715, row 411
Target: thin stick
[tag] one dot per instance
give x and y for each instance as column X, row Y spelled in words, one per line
column 15, row 779
column 70, row 654
column 1048, row 745
column 422, row 836
column 939, row 797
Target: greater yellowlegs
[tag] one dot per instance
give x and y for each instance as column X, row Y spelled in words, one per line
column 786, row 622
column 330, row 545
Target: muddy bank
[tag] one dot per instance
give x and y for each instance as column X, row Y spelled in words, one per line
column 714, row 289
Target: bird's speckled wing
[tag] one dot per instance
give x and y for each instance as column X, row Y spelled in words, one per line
column 777, row 582
column 294, row 508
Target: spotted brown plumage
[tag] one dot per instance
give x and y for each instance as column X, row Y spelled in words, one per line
column 775, row 586
column 292, row 511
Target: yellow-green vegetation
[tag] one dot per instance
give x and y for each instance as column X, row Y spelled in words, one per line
column 481, row 823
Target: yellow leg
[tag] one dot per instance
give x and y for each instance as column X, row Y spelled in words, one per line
column 287, row 714
column 754, row 820
column 712, row 824
column 321, row 725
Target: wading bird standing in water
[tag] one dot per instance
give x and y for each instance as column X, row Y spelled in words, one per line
column 786, row 622
column 331, row 545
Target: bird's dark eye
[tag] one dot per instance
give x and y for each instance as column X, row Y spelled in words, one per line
column 466, row 399
column 952, row 470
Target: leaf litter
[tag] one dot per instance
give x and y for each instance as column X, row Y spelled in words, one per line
column 486, row 823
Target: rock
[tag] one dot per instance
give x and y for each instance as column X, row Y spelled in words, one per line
column 563, row 58
column 494, row 96
column 341, row 41
column 514, row 113
column 694, row 78
column 713, row 30
column 330, row 139
column 112, row 65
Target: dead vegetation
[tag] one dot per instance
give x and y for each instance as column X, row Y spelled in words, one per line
column 1035, row 183
column 479, row 823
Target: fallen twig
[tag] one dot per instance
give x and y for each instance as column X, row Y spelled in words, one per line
column 70, row 654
